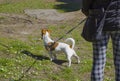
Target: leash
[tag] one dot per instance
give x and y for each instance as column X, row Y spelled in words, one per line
column 23, row 74
column 72, row 29
column 50, row 46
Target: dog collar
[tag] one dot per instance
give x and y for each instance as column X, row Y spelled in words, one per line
column 51, row 46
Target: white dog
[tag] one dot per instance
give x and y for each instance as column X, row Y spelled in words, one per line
column 51, row 45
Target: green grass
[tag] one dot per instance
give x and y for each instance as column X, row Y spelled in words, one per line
column 29, row 61
column 20, row 6
column 14, row 63
column 42, row 69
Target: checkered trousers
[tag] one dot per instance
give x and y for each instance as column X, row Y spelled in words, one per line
column 99, row 56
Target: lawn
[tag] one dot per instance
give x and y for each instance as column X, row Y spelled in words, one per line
column 18, row 6
column 29, row 61
column 15, row 6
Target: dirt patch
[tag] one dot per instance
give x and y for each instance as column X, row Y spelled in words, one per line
column 22, row 26
column 50, row 15
column 46, row 14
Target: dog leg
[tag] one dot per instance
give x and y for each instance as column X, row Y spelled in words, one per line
column 69, row 61
column 77, row 57
column 51, row 57
column 55, row 57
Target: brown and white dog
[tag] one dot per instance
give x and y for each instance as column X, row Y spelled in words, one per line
column 51, row 45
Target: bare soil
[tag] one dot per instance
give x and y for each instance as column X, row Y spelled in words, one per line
column 21, row 26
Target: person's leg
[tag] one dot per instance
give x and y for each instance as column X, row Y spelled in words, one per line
column 116, row 53
column 99, row 58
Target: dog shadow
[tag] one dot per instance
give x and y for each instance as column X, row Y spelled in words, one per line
column 59, row 62
column 37, row 57
column 41, row 57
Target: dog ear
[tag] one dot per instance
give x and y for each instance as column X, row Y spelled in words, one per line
column 49, row 31
column 43, row 31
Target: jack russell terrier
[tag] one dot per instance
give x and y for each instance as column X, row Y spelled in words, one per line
column 51, row 45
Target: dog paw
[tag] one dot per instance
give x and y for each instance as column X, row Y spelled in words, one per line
column 51, row 59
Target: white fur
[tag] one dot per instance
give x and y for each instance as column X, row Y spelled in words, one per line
column 71, row 40
column 62, row 47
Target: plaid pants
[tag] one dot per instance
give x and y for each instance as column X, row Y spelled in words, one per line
column 99, row 56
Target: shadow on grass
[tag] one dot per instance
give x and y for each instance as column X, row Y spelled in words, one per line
column 37, row 57
column 59, row 62
column 41, row 57
column 69, row 5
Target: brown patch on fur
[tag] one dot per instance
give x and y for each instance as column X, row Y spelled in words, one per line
column 49, row 31
column 70, row 46
column 55, row 45
column 43, row 32
column 51, row 46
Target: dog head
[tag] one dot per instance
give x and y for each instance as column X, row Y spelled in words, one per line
column 45, row 32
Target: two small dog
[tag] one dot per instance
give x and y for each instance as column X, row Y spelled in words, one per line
column 51, row 46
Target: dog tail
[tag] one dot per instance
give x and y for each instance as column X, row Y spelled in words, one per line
column 71, row 40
